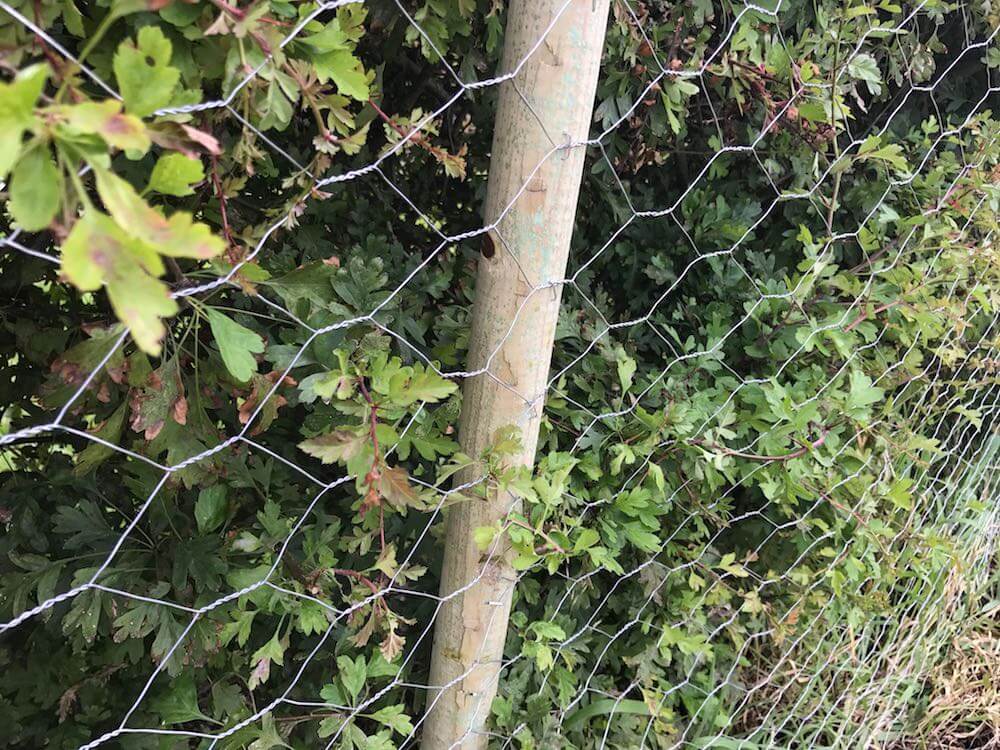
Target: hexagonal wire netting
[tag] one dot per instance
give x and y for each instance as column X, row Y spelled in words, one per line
column 803, row 684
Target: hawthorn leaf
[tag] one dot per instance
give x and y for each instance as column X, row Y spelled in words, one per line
column 174, row 174
column 398, row 490
column 332, row 693
column 72, row 18
column 862, row 394
column 96, row 453
column 395, row 718
column 272, row 651
column 159, row 399
column 352, row 674
column 98, row 252
column 891, row 154
column 547, row 631
column 326, row 385
column 179, row 236
column 268, row 737
column 261, row 391
column 210, row 508
column 380, row 741
column 17, row 107
column 310, row 284
column 330, row 39
column 237, row 344
column 145, row 77
column 330, row 726
column 626, row 369
column 345, row 70
column 82, row 526
column 274, row 109
column 339, row 445
column 179, row 703
column 864, row 67
column 35, row 189
column 422, row 385
column 104, row 119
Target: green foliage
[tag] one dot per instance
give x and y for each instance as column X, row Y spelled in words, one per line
column 761, row 417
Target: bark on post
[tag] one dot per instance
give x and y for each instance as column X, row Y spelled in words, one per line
column 549, row 103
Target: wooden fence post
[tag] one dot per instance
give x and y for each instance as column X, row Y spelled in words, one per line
column 550, row 102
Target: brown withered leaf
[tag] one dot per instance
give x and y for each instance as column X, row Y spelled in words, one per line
column 185, row 139
column 392, row 645
column 397, row 489
column 360, row 639
column 339, row 445
column 67, row 703
column 180, row 410
column 220, row 25
column 260, row 387
column 157, row 400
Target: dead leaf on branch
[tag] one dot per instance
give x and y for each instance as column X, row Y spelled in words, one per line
column 398, row 490
column 159, row 398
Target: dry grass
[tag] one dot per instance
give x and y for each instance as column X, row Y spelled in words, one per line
column 964, row 709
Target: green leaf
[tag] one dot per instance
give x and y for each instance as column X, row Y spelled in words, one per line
column 82, row 526
column 35, row 189
column 484, row 536
column 352, row 674
column 146, row 80
column 891, row 154
column 98, row 252
column 421, row 384
column 104, row 119
column 268, row 738
column 330, row 726
column 181, row 14
column 900, row 494
column 72, row 18
column 864, row 67
column 237, row 344
column 122, row 8
column 604, row 706
column 174, row 174
column 626, row 369
column 227, row 699
column 274, row 108
column 179, row 703
column 179, row 236
column 644, row 540
column 273, row 650
column 310, row 283
column 586, row 539
column 96, row 453
column 547, row 631
column 380, row 741
column 327, row 385
column 17, row 107
column 345, row 70
column 395, row 718
column 210, row 509
column 330, row 39
column 862, row 394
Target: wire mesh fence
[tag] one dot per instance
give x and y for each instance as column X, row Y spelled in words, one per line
column 764, row 499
